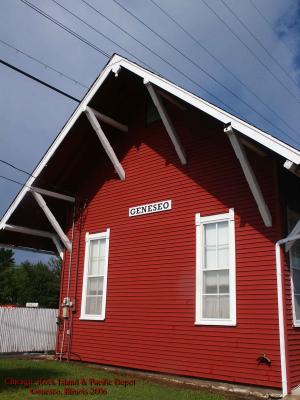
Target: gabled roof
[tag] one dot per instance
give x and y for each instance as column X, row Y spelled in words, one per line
column 114, row 65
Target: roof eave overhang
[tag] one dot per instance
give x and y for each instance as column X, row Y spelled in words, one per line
column 114, row 65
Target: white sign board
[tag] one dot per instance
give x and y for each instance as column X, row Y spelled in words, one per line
column 150, row 208
column 32, row 305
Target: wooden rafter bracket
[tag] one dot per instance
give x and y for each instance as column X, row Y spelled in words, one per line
column 249, row 175
column 166, row 121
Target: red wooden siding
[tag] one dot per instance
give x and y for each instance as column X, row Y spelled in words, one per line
column 150, row 309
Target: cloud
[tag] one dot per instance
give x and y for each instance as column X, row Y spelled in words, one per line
column 288, row 30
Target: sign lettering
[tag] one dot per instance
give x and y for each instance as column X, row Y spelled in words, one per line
column 150, row 208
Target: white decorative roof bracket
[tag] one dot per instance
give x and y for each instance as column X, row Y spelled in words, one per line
column 172, row 100
column 34, row 232
column 166, row 121
column 116, row 69
column 23, row 248
column 58, row 246
column 292, row 167
column 63, row 237
column 249, row 175
column 105, row 143
column 55, row 195
column 109, row 121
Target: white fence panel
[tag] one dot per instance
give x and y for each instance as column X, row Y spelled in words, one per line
column 27, row 329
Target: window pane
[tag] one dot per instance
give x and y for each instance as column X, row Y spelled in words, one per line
column 223, row 281
column 102, row 252
column 210, row 234
column 223, row 233
column 210, row 306
column 94, row 248
column 224, row 306
column 95, row 286
column 93, row 305
column 97, row 266
column 93, row 266
column 296, row 281
column 223, row 257
column 216, row 306
column 297, row 307
column 210, row 282
column 97, row 257
column 210, row 257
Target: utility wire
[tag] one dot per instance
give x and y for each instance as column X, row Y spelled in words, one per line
column 185, row 56
column 133, row 55
column 260, row 43
column 16, row 168
column 100, row 33
column 82, row 39
column 272, row 28
column 96, row 30
column 43, row 64
column 97, row 49
column 250, row 50
column 24, row 184
column 12, row 180
column 221, row 63
column 171, row 45
column 189, row 59
column 38, row 80
column 20, row 184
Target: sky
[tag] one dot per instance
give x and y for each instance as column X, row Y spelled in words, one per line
column 243, row 56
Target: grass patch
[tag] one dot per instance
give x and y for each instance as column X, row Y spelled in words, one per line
column 15, row 374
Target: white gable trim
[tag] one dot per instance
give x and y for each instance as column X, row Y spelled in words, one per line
column 114, row 65
column 63, row 133
column 248, row 130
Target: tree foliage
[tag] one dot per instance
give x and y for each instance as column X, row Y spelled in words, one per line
column 29, row 282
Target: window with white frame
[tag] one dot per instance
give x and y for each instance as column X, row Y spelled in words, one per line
column 215, row 269
column 95, row 276
column 293, row 218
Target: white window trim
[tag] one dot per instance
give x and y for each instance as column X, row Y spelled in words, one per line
column 200, row 222
column 296, row 322
column 88, row 238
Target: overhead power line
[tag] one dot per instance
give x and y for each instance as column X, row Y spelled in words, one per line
column 272, row 28
column 55, row 21
column 12, row 180
column 95, row 48
column 171, row 45
column 195, row 40
column 260, row 43
column 38, row 80
column 133, row 55
column 196, row 83
column 202, row 69
column 16, row 168
column 250, row 50
column 43, row 64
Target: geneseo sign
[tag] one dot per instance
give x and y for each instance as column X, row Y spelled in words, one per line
column 150, row 208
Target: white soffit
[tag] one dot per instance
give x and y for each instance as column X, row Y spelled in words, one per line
column 114, row 64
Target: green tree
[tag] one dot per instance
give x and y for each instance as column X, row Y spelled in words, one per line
column 29, row 282
column 6, row 258
column 7, row 263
